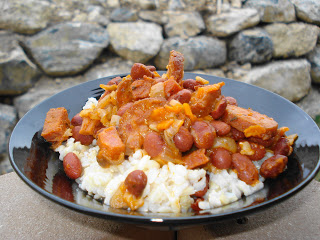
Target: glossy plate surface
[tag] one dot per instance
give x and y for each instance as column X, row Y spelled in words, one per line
column 41, row 169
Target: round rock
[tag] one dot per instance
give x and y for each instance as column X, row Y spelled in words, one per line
column 184, row 24
column 314, row 59
column 67, row 48
column 252, row 45
column 308, row 10
column 288, row 78
column 135, row 41
column 123, row 15
column 273, row 11
column 228, row 23
column 292, row 40
column 199, row 52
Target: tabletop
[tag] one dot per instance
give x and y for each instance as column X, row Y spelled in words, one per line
column 26, row 214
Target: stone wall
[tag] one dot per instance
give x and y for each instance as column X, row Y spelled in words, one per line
column 49, row 45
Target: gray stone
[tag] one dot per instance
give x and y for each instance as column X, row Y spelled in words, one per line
column 273, row 10
column 67, row 48
column 228, row 23
column 288, row 78
column 17, row 73
column 123, row 15
column 310, row 103
column 25, row 16
column 292, row 40
column 154, row 16
column 308, row 10
column 252, row 45
column 314, row 59
column 199, row 52
column 138, row 41
column 8, row 118
column 184, row 24
column 43, row 89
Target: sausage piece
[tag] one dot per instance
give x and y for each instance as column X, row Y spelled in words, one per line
column 219, row 108
column 153, row 144
column 124, row 93
column 196, row 159
column 252, row 123
column 221, row 158
column 124, row 108
column 246, row 170
column 139, row 70
column 190, row 84
column 111, row 147
column 203, row 134
column 140, row 89
column 171, row 87
column 273, row 166
column 183, row 139
column 72, row 165
column 231, row 101
column 136, row 182
column 114, row 81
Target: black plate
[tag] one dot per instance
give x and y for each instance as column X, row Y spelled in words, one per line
column 40, row 168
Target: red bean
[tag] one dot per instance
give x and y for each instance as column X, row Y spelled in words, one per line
column 139, row 70
column 259, row 151
column 183, row 139
column 83, row 139
column 273, row 166
column 190, row 84
column 136, row 182
column 182, row 96
column 219, row 108
column 124, row 108
column 202, row 192
column 221, row 128
column 265, row 143
column 72, row 165
column 231, row 101
column 236, row 134
column 221, row 158
column 203, row 134
column 153, row 144
column 282, row 147
column 195, row 204
column 76, row 120
column 246, row 170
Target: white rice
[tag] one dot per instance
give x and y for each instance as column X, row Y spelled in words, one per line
column 168, row 187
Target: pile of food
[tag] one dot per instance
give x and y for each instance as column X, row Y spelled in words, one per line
column 164, row 144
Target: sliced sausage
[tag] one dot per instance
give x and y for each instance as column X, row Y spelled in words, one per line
column 136, row 182
column 246, row 170
column 83, row 139
column 111, row 147
column 153, row 144
column 171, row 87
column 182, row 96
column 203, row 134
column 236, row 134
column 124, row 108
column 115, row 81
column 175, row 66
column 183, row 139
column 252, row 123
column 221, row 128
column 124, row 93
column 140, row 89
column 196, row 159
column 139, row 70
column 219, row 108
column 221, row 158
column 231, row 101
column 273, row 166
column 72, row 165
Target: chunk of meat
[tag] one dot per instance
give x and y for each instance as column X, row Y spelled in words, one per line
column 182, row 96
column 175, row 66
column 133, row 125
column 89, row 126
column 251, row 123
column 139, row 70
column 124, row 108
column 203, row 100
column 111, row 147
column 190, row 84
column 203, row 134
column 196, row 159
column 114, row 81
column 124, row 93
column 219, row 107
column 140, row 89
column 55, row 126
column 171, row 87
